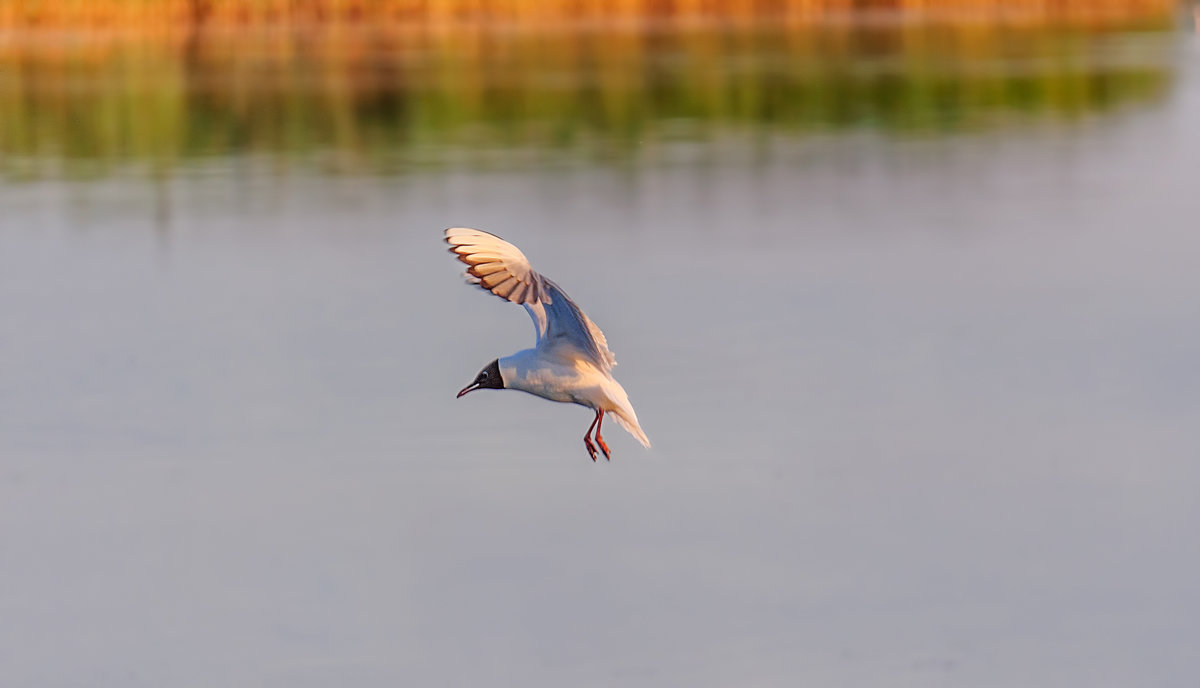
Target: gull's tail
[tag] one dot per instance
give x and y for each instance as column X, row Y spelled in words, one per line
column 628, row 420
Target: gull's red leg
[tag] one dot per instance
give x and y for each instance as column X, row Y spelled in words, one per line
column 587, row 440
column 599, row 439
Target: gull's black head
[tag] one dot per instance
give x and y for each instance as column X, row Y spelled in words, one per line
column 488, row 378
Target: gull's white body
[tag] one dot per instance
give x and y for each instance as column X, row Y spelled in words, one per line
column 570, row 362
column 574, row 382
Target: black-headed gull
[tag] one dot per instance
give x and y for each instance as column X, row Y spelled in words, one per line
column 570, row 361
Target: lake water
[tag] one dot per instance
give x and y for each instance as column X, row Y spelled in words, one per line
column 910, row 313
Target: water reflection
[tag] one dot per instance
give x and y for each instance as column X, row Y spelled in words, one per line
column 391, row 98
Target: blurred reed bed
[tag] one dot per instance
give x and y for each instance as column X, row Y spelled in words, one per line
column 386, row 97
column 171, row 14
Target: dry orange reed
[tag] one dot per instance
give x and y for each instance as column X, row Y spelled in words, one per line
column 172, row 15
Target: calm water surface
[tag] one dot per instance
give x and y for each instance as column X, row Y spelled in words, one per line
column 913, row 333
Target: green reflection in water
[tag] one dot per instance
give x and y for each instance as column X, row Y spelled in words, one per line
column 383, row 101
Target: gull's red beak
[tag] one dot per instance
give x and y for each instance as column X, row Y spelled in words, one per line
column 468, row 388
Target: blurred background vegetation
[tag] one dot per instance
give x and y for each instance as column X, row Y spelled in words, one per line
column 88, row 87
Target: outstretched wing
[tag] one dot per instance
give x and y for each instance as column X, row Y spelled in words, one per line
column 501, row 268
column 496, row 265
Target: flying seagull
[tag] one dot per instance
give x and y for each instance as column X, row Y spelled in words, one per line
column 570, row 362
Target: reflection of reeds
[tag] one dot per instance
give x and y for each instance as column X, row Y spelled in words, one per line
column 396, row 95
